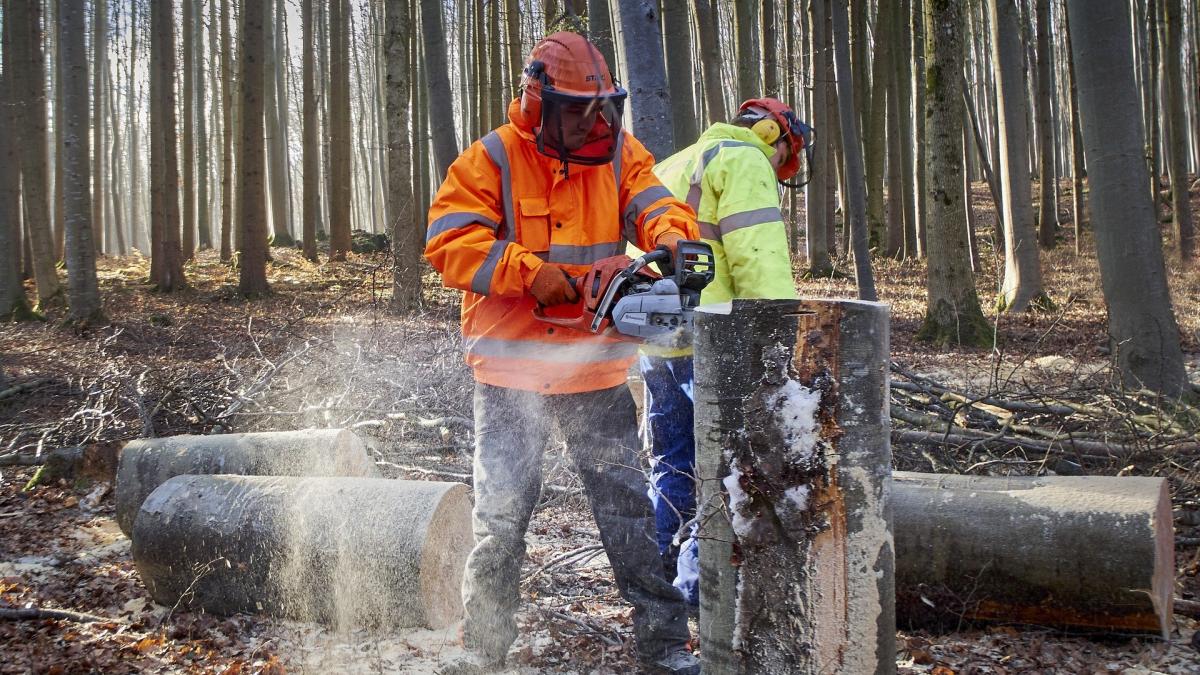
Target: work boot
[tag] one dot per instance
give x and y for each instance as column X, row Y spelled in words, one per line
column 473, row 663
column 677, row 661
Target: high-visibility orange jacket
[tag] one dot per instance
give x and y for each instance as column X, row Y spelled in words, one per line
column 505, row 210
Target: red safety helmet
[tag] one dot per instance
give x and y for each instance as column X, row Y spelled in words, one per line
column 770, row 120
column 567, row 85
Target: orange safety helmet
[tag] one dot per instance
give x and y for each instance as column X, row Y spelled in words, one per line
column 567, row 81
column 770, row 120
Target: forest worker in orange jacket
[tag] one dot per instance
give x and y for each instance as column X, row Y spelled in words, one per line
column 535, row 202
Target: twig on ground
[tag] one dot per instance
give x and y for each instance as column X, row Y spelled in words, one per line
column 35, row 613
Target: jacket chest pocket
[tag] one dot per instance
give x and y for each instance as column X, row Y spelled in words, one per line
column 533, row 227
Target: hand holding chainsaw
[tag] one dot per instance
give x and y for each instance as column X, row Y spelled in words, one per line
column 551, row 286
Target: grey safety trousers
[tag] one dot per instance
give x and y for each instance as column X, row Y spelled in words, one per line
column 512, row 428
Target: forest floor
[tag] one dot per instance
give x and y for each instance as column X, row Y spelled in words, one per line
column 322, row 351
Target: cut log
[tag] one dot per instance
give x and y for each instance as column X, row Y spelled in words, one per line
column 147, row 463
column 796, row 562
column 346, row 551
column 1092, row 552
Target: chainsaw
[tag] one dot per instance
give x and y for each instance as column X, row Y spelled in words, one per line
column 624, row 298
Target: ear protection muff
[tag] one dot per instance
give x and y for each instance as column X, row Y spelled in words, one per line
column 768, row 130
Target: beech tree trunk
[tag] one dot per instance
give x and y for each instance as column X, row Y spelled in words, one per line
column 149, row 462
column 13, row 303
column 310, row 139
column 856, row 199
column 227, row 82
column 445, row 145
column 749, row 84
column 648, row 91
column 677, row 35
column 100, row 66
column 407, row 242
column 166, row 261
column 817, row 216
column 1022, row 284
column 994, row 548
column 83, row 293
column 1141, row 322
column 1047, row 181
column 29, row 96
column 340, row 145
column 189, row 127
column 710, row 59
column 796, row 565
column 347, row 551
column 1177, row 131
column 953, row 314
column 252, row 207
column 1078, row 206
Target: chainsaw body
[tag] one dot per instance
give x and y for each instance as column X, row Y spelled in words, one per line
column 623, row 298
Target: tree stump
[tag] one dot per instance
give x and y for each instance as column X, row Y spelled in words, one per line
column 147, row 463
column 1093, row 552
column 793, row 458
column 345, row 551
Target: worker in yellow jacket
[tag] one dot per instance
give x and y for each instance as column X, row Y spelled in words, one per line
column 729, row 177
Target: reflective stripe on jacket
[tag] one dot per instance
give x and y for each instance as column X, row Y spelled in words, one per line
column 505, row 210
column 726, row 177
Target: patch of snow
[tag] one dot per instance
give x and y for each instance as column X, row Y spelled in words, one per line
column 795, row 407
column 737, row 500
column 797, row 496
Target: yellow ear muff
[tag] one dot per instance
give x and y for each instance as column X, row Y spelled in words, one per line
column 767, row 129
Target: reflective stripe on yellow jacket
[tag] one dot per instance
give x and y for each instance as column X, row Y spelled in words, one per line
column 503, row 211
column 726, row 177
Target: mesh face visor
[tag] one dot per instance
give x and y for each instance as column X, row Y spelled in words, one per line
column 799, row 165
column 581, row 129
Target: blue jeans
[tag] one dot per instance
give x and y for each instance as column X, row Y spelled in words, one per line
column 669, row 434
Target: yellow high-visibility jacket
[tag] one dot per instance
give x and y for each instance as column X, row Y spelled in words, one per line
column 726, row 177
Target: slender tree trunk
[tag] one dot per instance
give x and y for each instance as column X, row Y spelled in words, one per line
column 876, row 140
column 13, row 303
column 816, row 219
column 1152, row 90
column 341, row 145
column 1047, row 206
column 310, row 139
column 407, row 239
column 679, row 72
column 100, row 63
column 189, row 127
column 204, row 227
column 771, row 50
column 902, row 57
column 749, row 84
column 83, row 292
column 226, row 135
column 496, row 84
column 1141, row 323
column 60, row 227
column 651, row 98
column 860, row 60
column 710, row 59
column 276, row 159
column 252, row 207
column 1078, row 207
column 1177, row 129
column 445, row 145
column 600, row 29
column 29, row 95
column 895, row 185
column 167, row 275
column 919, row 128
column 952, row 314
column 116, row 169
column 137, row 223
column 1022, row 270
column 852, row 147
column 324, row 92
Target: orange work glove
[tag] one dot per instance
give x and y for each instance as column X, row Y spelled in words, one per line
column 552, row 286
column 670, row 240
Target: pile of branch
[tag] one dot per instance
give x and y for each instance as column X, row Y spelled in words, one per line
column 1097, row 424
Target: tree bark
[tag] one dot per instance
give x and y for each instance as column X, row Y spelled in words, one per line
column 310, row 139
column 796, row 561
column 600, row 30
column 227, row 135
column 407, row 239
column 351, row 552
column 167, row 274
column 341, row 145
column 979, row 547
column 189, row 127
column 710, row 59
column 29, row 96
column 648, row 90
column 917, row 230
column 203, row 215
column 100, row 66
column 83, row 294
column 749, row 84
column 876, row 139
column 852, row 149
column 1078, row 207
column 281, row 229
column 147, row 463
column 445, row 145
column 1177, row 130
column 817, row 214
column 1022, row 286
column 952, row 313
column 252, row 207
column 1141, row 323
column 13, row 303
column 137, row 222
column 677, row 35
column 1047, row 180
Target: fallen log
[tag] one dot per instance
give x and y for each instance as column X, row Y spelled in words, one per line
column 147, row 463
column 345, row 551
column 1092, row 552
